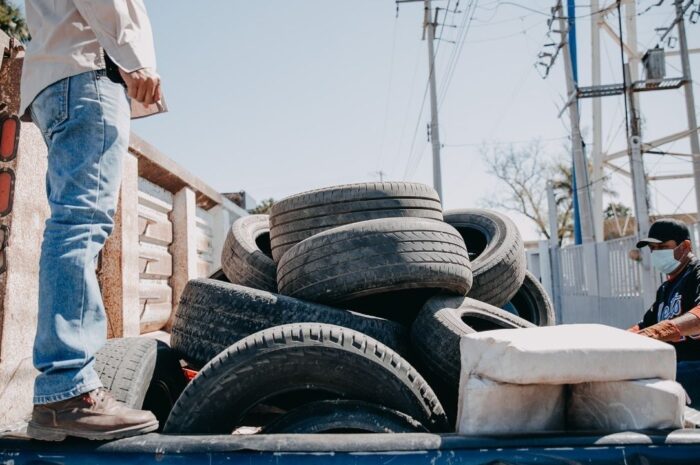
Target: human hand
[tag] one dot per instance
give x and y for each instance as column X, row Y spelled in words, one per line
column 143, row 85
column 665, row 331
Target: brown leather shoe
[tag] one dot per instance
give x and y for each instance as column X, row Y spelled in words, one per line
column 95, row 415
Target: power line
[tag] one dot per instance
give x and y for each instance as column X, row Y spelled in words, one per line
column 550, row 139
column 388, row 95
column 410, row 100
column 450, row 74
column 415, row 132
column 548, row 13
column 495, row 39
column 414, row 160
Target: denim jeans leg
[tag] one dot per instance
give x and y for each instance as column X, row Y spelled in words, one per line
column 85, row 120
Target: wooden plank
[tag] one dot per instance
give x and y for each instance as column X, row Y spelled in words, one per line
column 154, row 260
column 156, row 291
column 155, row 203
column 162, row 171
column 154, row 316
column 203, row 244
column 156, row 191
column 155, row 206
column 156, row 233
column 203, row 269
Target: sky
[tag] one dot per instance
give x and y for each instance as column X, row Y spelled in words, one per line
column 282, row 96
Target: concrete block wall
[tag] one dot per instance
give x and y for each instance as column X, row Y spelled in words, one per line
column 169, row 228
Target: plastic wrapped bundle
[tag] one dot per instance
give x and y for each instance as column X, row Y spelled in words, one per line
column 566, row 354
column 488, row 407
column 626, row 405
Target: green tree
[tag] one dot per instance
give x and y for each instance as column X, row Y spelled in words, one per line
column 617, row 210
column 12, row 21
column 263, row 207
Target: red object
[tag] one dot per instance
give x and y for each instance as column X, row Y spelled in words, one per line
column 189, row 374
column 665, row 331
column 7, row 188
column 695, row 311
column 9, row 138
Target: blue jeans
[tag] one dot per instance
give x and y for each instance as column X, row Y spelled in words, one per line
column 85, row 122
column 688, row 374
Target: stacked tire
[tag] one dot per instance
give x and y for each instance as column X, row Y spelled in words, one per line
column 337, row 292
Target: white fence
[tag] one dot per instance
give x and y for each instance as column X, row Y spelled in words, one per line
column 598, row 283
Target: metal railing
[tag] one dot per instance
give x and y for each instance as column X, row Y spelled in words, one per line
column 605, row 282
column 625, row 276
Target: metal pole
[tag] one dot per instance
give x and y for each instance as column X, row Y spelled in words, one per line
column 430, row 25
column 631, row 43
column 553, row 216
column 639, row 187
column 582, row 185
column 639, row 181
column 597, row 152
column 554, row 250
column 689, row 102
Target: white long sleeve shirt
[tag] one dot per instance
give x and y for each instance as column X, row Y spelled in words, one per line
column 68, row 37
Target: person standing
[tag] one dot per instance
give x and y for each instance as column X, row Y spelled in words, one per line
column 83, row 111
column 674, row 317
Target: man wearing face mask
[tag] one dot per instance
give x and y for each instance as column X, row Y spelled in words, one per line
column 675, row 315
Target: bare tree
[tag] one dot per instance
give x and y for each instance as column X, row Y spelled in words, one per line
column 525, row 172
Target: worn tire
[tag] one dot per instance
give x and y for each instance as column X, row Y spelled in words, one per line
column 166, row 385
column 246, row 257
column 219, row 275
column 213, row 315
column 301, row 216
column 125, row 367
column 436, row 333
column 369, row 266
column 343, row 416
column 496, row 250
column 532, row 303
column 308, row 358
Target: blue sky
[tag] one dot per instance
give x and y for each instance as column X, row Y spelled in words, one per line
column 282, row 96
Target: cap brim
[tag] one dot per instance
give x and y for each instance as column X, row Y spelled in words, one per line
column 646, row 241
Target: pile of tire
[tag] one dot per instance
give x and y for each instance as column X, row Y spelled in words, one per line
column 342, row 311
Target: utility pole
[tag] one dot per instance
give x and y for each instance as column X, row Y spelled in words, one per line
column 631, row 43
column 580, row 165
column 639, row 183
column 554, row 264
column 380, row 174
column 430, row 26
column 639, row 180
column 597, row 116
column 689, row 101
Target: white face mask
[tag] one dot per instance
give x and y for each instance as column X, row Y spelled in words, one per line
column 664, row 261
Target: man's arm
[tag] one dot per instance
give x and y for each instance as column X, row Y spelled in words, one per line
column 687, row 324
column 123, row 29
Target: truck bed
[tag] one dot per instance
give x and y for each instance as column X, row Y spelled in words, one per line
column 677, row 447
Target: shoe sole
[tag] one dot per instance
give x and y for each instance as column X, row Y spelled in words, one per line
column 43, row 433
